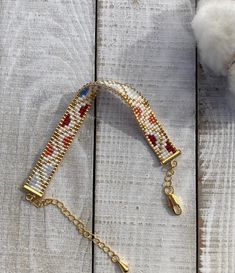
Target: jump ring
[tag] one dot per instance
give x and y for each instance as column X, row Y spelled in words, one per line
column 168, row 190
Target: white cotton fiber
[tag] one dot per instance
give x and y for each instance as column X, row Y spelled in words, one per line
column 214, row 29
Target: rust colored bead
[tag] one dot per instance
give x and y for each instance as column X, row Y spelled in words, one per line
column 152, row 119
column 170, row 147
column 66, row 120
column 83, row 110
column 137, row 112
column 49, row 150
column 67, row 140
column 153, row 139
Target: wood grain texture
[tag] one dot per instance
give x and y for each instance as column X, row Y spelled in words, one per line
column 46, row 54
column 148, row 44
column 216, row 176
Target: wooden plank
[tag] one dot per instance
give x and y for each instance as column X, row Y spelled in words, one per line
column 216, row 176
column 150, row 45
column 46, row 54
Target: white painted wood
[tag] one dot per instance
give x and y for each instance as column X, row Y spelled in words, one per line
column 150, row 45
column 47, row 52
column 46, row 55
column 216, row 176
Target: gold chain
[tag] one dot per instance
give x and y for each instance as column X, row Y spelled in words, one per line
column 82, row 229
column 169, row 189
column 40, row 203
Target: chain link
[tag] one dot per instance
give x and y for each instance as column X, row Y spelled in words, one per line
column 40, row 203
column 169, row 189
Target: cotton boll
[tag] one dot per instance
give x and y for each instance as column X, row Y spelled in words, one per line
column 214, row 29
column 205, row 2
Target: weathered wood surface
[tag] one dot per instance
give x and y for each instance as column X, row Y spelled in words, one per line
column 150, row 45
column 216, row 176
column 47, row 52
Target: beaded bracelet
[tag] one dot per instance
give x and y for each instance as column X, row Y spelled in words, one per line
column 62, row 137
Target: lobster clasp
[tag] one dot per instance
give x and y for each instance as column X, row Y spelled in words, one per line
column 174, row 203
column 123, row 266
